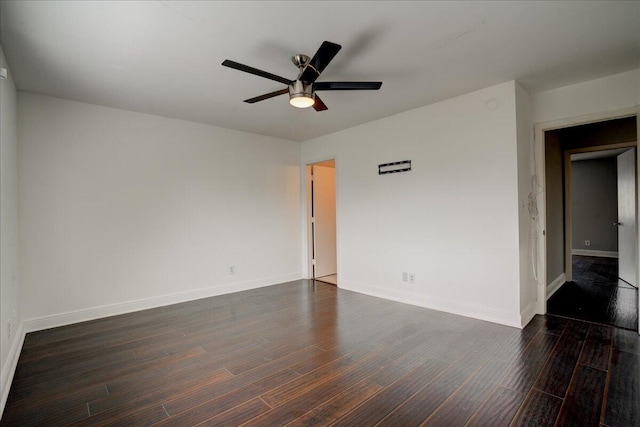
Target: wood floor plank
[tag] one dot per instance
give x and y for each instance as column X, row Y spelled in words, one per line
column 37, row 371
column 60, row 417
column 238, row 415
column 539, row 409
column 625, row 340
column 416, row 409
column 216, row 406
column 312, row 379
column 212, row 344
column 522, row 374
column 245, row 364
column 623, row 308
column 151, row 376
column 318, row 360
column 307, row 401
column 145, row 417
column 367, row 330
column 382, row 404
column 534, row 326
column 43, row 364
column 95, row 337
column 502, row 346
column 583, row 403
column 556, row 374
column 460, row 406
column 597, row 347
column 623, row 399
column 110, row 408
column 498, row 410
column 335, row 408
column 554, row 325
column 205, row 394
column 53, row 404
column 392, row 373
column 98, row 376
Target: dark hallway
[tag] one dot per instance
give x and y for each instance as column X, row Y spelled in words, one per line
column 596, row 294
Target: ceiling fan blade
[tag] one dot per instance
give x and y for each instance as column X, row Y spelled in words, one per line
column 319, row 62
column 266, row 96
column 347, row 85
column 255, row 71
column 319, row 105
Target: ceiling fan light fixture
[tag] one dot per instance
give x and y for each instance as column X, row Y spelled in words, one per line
column 301, row 94
column 301, row 101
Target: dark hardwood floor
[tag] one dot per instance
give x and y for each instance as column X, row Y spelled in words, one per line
column 304, row 354
column 596, row 294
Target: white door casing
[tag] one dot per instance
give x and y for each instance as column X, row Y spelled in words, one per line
column 540, row 262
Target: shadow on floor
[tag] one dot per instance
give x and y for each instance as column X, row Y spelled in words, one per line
column 596, row 294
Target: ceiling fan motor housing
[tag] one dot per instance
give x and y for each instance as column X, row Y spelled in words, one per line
column 298, row 89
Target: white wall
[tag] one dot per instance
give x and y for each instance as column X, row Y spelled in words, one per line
column 10, row 343
column 123, row 211
column 453, row 220
column 609, row 93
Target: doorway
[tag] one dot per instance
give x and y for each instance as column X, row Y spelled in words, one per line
column 590, row 254
column 321, row 221
column 600, row 192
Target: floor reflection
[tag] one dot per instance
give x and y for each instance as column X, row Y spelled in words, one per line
column 596, row 294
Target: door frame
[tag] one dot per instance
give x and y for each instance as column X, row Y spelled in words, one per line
column 539, row 130
column 307, row 266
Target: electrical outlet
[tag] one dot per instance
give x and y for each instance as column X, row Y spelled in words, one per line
column 412, row 278
column 587, row 242
column 9, row 329
column 405, row 276
column 232, row 269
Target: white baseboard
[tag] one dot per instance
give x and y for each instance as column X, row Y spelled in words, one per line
column 555, row 285
column 587, row 252
column 527, row 314
column 479, row 313
column 9, row 368
column 62, row 319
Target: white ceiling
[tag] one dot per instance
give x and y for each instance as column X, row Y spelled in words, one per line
column 163, row 57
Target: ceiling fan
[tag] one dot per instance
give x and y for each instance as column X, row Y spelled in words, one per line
column 302, row 90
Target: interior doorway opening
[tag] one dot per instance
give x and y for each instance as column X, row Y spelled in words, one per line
column 591, row 253
column 321, row 221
